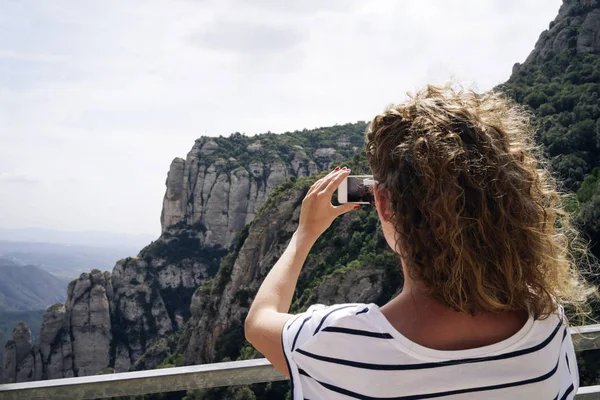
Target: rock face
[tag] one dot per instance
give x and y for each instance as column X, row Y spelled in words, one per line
column 577, row 26
column 173, row 207
column 109, row 320
column 221, row 197
column 22, row 361
column 55, row 343
column 363, row 284
column 89, row 322
column 222, row 188
column 215, row 312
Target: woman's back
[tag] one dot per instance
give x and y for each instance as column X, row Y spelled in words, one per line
column 353, row 351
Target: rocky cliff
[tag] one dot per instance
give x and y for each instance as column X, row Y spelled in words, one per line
column 22, row 361
column 577, row 27
column 224, row 181
column 110, row 320
column 560, row 83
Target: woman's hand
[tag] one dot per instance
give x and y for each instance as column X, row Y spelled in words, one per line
column 317, row 212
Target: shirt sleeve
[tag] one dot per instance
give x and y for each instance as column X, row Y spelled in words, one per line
column 301, row 328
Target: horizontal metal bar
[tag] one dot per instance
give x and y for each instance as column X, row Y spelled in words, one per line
column 588, row 393
column 146, row 382
column 586, row 337
column 205, row 376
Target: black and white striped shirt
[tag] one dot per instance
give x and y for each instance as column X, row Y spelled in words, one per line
column 351, row 351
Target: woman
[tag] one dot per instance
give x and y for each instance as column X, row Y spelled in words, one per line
column 484, row 249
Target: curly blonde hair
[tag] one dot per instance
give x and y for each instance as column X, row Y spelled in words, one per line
column 479, row 220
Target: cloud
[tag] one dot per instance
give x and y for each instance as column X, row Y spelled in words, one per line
column 6, row 177
column 98, row 97
column 247, row 37
column 31, row 57
column 305, row 7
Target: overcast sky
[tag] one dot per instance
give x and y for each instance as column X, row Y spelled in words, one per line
column 97, row 97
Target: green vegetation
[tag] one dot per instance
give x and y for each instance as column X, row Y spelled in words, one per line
column 589, row 186
column 563, row 91
column 239, row 150
column 354, row 242
column 275, row 196
column 173, row 360
column 181, row 242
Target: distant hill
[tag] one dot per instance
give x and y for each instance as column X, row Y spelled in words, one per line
column 69, row 253
column 62, row 260
column 27, row 287
column 113, row 240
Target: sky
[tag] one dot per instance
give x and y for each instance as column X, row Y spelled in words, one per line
column 98, row 97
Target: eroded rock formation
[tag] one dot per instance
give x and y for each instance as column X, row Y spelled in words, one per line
column 22, row 361
column 223, row 194
column 108, row 321
column 577, row 26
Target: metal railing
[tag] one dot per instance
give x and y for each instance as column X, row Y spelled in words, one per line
column 205, row 376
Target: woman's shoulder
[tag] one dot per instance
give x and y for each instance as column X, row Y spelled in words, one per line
column 340, row 310
column 322, row 315
column 319, row 317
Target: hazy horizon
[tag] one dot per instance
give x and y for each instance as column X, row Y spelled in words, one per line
column 77, row 238
column 97, row 98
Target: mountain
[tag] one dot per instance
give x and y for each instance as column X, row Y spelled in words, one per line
column 27, row 287
column 76, row 238
column 223, row 181
column 63, row 260
column 231, row 206
column 560, row 82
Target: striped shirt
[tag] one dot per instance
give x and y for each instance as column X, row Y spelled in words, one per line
column 351, row 351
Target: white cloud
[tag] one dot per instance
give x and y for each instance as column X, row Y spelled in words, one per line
column 97, row 97
column 247, row 37
column 32, row 57
column 7, row 177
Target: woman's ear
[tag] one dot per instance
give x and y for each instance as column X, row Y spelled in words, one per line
column 382, row 202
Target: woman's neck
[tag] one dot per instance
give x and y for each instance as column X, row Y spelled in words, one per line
column 429, row 322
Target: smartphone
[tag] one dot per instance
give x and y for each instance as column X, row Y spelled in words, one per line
column 357, row 189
